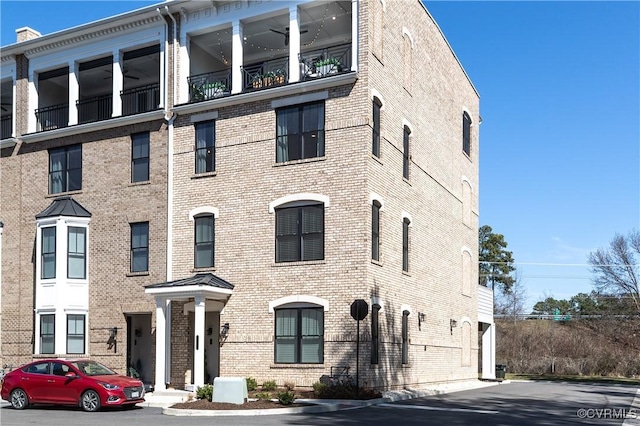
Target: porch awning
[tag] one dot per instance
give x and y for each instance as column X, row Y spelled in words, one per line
column 207, row 284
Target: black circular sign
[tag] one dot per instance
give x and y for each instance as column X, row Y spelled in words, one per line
column 359, row 309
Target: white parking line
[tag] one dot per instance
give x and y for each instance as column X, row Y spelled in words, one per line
column 423, row 407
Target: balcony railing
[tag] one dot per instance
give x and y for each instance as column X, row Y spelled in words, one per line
column 140, row 99
column 265, row 74
column 211, row 85
column 5, row 126
column 52, row 117
column 95, row 109
column 324, row 62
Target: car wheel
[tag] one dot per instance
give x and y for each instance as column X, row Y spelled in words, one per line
column 90, row 401
column 19, row 399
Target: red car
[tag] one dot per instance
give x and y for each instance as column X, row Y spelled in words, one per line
column 80, row 382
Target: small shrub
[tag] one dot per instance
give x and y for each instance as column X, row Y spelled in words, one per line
column 204, row 392
column 318, row 388
column 289, row 386
column 252, row 384
column 263, row 395
column 286, row 397
column 269, row 385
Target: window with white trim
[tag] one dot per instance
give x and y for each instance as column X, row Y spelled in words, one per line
column 375, row 334
column 375, row 230
column 77, row 252
column 405, row 152
column 405, row 244
column 75, row 334
column 47, row 333
column 405, row 337
column 375, row 144
column 299, row 336
column 48, row 249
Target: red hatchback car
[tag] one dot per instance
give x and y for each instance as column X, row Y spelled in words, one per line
column 80, row 382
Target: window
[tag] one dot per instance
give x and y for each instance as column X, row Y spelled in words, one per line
column 75, row 334
column 375, row 147
column 205, row 147
column 405, row 152
column 299, row 336
column 405, row 245
column 76, row 260
column 466, row 133
column 140, row 157
column 300, row 233
column 375, row 334
column 405, row 337
column 48, row 253
column 300, row 132
column 204, row 241
column 47, row 334
column 65, row 169
column 140, row 247
column 375, row 230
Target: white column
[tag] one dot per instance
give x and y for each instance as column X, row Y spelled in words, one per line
column 199, row 342
column 74, row 93
column 237, row 42
column 489, row 351
column 160, row 382
column 355, row 39
column 117, row 84
column 33, row 125
column 185, row 68
column 294, row 44
column 167, row 341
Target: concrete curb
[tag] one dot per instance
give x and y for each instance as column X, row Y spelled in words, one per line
column 319, row 408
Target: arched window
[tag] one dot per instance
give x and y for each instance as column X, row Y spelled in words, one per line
column 375, row 144
column 375, row 334
column 375, row 230
column 405, row 152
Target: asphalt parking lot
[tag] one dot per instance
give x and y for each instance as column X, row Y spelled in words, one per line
column 517, row 403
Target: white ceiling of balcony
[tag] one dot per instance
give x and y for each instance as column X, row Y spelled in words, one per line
column 324, row 24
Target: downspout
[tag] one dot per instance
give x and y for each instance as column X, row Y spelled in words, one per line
column 170, row 116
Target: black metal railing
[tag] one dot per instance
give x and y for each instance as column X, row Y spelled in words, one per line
column 140, row 99
column 95, row 109
column 52, row 117
column 269, row 73
column 209, row 85
column 324, row 62
column 5, row 126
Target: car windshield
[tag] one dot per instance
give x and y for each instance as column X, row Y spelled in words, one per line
column 92, row 368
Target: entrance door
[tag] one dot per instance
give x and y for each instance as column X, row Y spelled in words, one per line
column 212, row 347
column 139, row 347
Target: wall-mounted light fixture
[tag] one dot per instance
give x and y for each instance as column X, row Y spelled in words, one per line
column 452, row 324
column 112, row 342
column 224, row 332
column 420, row 319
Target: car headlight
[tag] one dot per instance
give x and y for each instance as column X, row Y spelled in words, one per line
column 109, row 386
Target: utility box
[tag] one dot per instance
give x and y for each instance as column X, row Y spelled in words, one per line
column 230, row 389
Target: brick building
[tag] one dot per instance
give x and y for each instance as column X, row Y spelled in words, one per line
column 202, row 189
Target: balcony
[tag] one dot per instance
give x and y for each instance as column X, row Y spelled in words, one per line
column 324, row 38
column 135, row 91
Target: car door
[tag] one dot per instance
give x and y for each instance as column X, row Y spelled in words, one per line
column 35, row 381
column 61, row 389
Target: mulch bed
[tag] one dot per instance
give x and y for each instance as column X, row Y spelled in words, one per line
column 204, row 404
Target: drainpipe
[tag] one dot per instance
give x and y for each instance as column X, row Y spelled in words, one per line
column 170, row 116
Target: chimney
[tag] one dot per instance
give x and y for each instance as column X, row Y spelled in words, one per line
column 26, row 33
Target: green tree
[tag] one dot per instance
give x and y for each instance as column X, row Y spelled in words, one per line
column 616, row 270
column 551, row 306
column 496, row 262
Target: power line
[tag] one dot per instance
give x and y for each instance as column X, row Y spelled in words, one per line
column 560, row 264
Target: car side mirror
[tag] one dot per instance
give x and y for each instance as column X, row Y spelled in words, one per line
column 71, row 375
